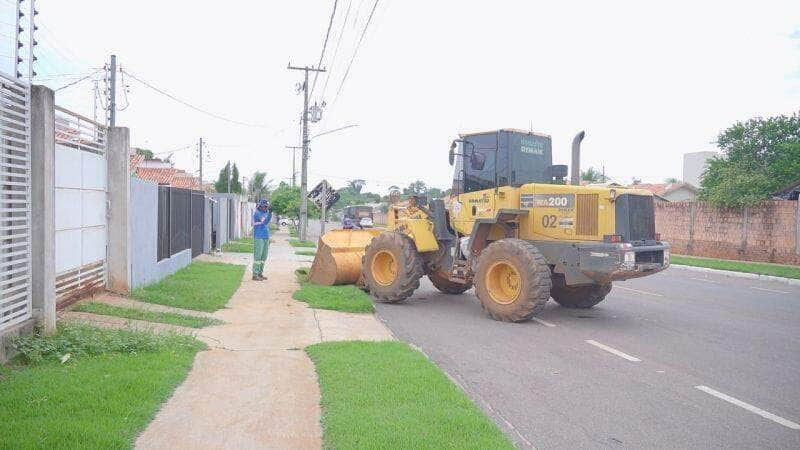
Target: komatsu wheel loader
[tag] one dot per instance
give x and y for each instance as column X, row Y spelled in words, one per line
column 512, row 228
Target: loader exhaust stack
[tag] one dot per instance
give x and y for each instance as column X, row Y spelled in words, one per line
column 575, row 179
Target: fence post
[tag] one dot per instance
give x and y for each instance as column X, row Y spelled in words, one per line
column 119, row 192
column 690, row 244
column 797, row 227
column 745, row 217
column 43, row 207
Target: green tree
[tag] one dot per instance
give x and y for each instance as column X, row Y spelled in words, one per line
column 759, row 157
column 221, row 185
column 148, row 154
column 258, row 187
column 670, row 180
column 435, row 193
column 356, row 185
column 592, row 175
column 285, row 201
column 416, row 188
column 236, row 184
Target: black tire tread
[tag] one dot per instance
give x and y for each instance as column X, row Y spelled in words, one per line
column 410, row 267
column 446, row 286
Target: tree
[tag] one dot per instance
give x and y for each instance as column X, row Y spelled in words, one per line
column 592, row 175
column 416, row 188
column 221, row 185
column 759, row 157
column 148, row 154
column 236, row 184
column 356, row 185
column 435, row 193
column 394, row 188
column 285, row 201
column 670, row 180
column 258, row 186
column 636, row 181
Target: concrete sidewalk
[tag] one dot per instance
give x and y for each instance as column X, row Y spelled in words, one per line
column 255, row 387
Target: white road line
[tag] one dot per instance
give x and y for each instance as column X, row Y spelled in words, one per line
column 705, row 280
column 543, row 322
column 768, row 290
column 749, row 407
column 613, row 350
column 638, row 291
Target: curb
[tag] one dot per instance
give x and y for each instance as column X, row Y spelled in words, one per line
column 730, row 273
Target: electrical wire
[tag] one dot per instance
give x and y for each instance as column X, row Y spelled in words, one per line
column 189, row 105
column 355, row 52
column 124, row 89
column 324, row 46
column 77, row 81
column 336, row 50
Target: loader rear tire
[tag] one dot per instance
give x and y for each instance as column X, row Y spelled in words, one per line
column 512, row 280
column 443, row 284
column 391, row 267
column 577, row 297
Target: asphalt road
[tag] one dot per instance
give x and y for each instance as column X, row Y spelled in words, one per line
column 681, row 359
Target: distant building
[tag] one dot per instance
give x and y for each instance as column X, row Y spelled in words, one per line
column 671, row 192
column 161, row 172
column 694, row 164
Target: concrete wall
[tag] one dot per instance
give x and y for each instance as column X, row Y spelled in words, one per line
column 694, row 164
column 769, row 232
column 145, row 267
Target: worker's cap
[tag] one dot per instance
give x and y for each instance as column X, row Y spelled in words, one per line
column 263, row 202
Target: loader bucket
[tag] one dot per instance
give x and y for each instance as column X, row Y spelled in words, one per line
column 338, row 259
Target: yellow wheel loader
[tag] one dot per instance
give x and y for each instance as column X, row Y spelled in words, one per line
column 512, row 228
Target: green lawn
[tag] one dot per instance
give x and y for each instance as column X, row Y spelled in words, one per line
column 202, row 286
column 346, row 298
column 386, row 395
column 150, row 316
column 306, row 252
column 243, row 245
column 777, row 270
column 102, row 397
column 299, row 243
column 292, row 232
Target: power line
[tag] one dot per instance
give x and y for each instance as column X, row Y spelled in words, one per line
column 77, row 81
column 189, row 105
column 355, row 52
column 336, row 50
column 324, row 46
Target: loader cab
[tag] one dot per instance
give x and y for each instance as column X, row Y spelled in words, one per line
column 502, row 158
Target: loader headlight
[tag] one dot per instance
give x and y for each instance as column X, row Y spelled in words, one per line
column 630, row 258
column 666, row 258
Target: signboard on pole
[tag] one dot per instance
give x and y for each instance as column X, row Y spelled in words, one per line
column 323, row 191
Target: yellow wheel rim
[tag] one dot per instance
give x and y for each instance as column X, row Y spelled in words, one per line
column 503, row 283
column 384, row 268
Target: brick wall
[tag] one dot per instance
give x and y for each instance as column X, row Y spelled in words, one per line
column 767, row 232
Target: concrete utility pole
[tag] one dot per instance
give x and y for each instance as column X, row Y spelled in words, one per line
column 294, row 149
column 304, row 166
column 324, row 211
column 200, row 154
column 112, row 95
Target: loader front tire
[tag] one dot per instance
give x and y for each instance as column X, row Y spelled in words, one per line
column 577, row 297
column 512, row 280
column 444, row 285
column 391, row 267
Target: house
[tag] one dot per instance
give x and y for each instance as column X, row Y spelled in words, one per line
column 671, row 192
column 789, row 192
column 161, row 172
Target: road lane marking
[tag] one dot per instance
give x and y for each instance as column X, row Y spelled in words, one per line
column 613, row 351
column 638, row 291
column 543, row 322
column 768, row 290
column 749, row 407
column 707, row 281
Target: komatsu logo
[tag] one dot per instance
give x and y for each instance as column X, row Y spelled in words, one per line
column 531, row 146
column 484, row 199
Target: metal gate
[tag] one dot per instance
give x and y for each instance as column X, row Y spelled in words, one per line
column 81, row 205
column 15, row 202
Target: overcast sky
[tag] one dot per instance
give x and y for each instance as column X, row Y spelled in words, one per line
column 648, row 82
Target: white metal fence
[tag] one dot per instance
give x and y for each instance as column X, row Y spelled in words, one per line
column 15, row 202
column 81, row 205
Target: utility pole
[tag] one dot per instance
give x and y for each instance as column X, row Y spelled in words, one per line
column 112, row 95
column 303, row 235
column 294, row 149
column 200, row 154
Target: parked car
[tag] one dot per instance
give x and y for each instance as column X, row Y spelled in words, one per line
column 286, row 221
column 366, row 222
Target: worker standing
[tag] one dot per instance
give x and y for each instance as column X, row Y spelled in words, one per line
column 261, row 218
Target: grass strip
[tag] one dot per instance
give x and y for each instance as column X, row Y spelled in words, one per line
column 299, row 243
column 346, row 298
column 306, row 252
column 243, row 245
column 101, row 397
column 776, row 270
column 149, row 316
column 387, row 395
column 201, row 286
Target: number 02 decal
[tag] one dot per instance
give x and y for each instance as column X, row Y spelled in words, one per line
column 549, row 221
